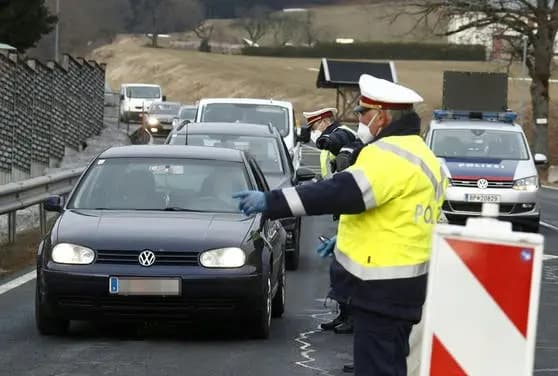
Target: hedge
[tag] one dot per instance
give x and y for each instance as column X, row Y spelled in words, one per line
column 377, row 50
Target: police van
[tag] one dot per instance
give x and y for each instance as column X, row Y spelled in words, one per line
column 487, row 158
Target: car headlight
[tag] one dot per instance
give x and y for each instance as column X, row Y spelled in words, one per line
column 223, row 258
column 153, row 121
column 529, row 184
column 65, row 253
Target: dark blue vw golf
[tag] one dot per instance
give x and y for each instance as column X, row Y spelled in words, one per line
column 152, row 232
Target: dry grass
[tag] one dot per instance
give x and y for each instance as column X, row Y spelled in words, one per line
column 20, row 255
column 188, row 76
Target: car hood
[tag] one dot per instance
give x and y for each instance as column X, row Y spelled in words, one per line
column 127, row 230
column 164, row 118
column 490, row 169
column 278, row 181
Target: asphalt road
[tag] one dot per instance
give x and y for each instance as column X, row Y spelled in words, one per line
column 296, row 346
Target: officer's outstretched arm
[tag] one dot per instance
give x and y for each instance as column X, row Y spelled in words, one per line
column 345, row 193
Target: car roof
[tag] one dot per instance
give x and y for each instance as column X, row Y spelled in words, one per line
column 246, row 101
column 238, row 129
column 144, row 85
column 475, row 124
column 173, row 151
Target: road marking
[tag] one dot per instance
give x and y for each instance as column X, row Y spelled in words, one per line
column 550, row 187
column 549, row 257
column 546, row 370
column 549, row 225
column 306, row 347
column 15, row 283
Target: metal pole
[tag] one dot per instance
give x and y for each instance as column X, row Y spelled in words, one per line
column 42, row 219
column 523, row 73
column 57, row 33
column 12, row 227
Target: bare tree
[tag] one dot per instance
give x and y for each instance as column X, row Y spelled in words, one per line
column 309, row 29
column 155, row 17
column 536, row 20
column 204, row 31
column 284, row 28
column 256, row 22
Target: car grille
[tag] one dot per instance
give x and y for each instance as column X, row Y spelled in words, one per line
column 473, row 183
column 184, row 258
column 147, row 305
column 476, row 207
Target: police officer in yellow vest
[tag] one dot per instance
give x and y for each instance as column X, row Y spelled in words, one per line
column 328, row 135
column 389, row 202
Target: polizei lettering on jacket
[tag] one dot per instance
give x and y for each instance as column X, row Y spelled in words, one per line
column 428, row 214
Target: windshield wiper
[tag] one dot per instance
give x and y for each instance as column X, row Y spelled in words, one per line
column 179, row 209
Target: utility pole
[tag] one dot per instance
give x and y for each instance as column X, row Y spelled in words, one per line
column 57, row 34
column 523, row 78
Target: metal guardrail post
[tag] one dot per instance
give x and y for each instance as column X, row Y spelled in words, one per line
column 12, row 227
column 42, row 219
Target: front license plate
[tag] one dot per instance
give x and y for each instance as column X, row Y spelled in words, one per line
column 144, row 286
column 475, row 197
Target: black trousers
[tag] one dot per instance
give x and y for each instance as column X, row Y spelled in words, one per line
column 381, row 344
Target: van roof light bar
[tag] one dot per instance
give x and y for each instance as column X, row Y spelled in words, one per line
column 501, row 117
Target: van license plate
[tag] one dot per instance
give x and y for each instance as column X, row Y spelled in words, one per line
column 475, row 197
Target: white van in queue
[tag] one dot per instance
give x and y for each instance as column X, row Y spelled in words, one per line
column 279, row 114
column 135, row 99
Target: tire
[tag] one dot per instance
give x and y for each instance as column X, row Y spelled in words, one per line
column 46, row 324
column 293, row 257
column 278, row 303
column 262, row 321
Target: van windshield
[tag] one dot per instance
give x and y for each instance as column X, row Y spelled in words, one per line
column 479, row 143
column 145, row 92
column 277, row 116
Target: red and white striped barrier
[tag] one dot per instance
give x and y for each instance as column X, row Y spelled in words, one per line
column 483, row 297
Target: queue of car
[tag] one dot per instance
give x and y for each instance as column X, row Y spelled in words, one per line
column 151, row 232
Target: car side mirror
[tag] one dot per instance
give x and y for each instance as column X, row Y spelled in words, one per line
column 540, row 159
column 164, row 98
column 304, row 174
column 184, row 122
column 122, row 97
column 304, row 135
column 53, row 204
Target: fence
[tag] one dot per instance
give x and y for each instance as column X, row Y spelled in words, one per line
column 45, row 108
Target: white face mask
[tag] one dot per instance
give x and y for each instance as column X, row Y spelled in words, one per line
column 363, row 131
column 314, row 135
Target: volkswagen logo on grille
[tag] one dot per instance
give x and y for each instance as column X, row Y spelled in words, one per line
column 482, row 183
column 146, row 258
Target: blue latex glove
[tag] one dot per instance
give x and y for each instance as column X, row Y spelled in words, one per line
column 326, row 249
column 251, row 202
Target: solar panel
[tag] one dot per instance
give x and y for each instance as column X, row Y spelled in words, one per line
column 475, row 91
column 335, row 73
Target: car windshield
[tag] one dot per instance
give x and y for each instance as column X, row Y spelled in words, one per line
column 188, row 113
column 146, row 92
column 479, row 143
column 264, row 149
column 278, row 116
column 161, row 184
column 164, row 108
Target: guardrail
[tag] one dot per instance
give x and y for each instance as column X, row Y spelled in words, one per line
column 26, row 193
